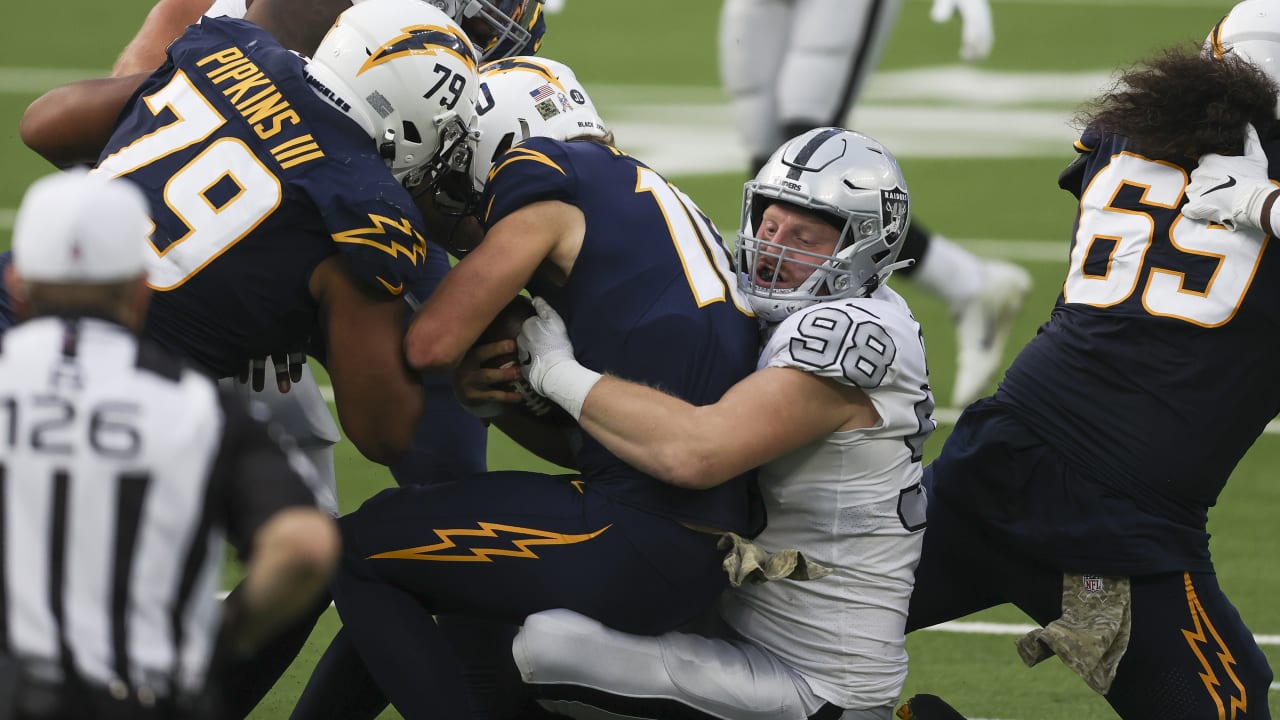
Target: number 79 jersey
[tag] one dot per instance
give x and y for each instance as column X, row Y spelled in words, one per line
column 254, row 177
column 1156, row 370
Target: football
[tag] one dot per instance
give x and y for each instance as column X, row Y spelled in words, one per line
column 506, row 326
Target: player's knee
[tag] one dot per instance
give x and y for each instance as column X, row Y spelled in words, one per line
column 550, row 646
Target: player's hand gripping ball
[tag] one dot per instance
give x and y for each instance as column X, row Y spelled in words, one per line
column 506, row 326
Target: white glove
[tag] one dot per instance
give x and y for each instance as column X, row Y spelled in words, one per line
column 547, row 362
column 1234, row 190
column 976, row 31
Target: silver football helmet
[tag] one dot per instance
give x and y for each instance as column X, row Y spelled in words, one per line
column 1251, row 31
column 847, row 178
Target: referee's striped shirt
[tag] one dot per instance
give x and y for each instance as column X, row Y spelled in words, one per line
column 121, row 473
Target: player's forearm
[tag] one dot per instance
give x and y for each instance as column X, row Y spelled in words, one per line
column 656, row 433
column 293, row 556
column 165, row 22
column 71, row 124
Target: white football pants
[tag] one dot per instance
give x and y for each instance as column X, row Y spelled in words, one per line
column 785, row 62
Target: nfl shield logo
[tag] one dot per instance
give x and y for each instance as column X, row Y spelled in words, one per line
column 1092, row 583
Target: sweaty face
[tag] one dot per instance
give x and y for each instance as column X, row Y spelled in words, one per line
column 803, row 242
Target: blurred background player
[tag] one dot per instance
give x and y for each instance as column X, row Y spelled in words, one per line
column 792, row 65
column 644, row 283
column 1080, row 491
column 123, row 471
column 841, row 411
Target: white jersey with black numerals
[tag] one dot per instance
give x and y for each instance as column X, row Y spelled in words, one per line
column 115, row 489
column 851, row 501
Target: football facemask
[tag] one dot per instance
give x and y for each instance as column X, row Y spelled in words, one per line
column 837, row 174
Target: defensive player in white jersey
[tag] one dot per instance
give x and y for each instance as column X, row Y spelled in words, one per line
column 836, row 416
column 806, row 71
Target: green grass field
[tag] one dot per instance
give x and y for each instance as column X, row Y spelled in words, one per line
column 981, row 148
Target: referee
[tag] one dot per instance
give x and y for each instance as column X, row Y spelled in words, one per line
column 121, row 473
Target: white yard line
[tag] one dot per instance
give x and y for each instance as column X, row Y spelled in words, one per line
column 944, row 416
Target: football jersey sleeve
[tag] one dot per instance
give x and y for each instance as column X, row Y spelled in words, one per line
column 378, row 231
column 536, row 169
column 871, row 344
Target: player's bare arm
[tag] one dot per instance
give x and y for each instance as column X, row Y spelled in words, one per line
column 378, row 397
column 687, row 445
column 165, row 21
column 544, row 235
column 70, row 124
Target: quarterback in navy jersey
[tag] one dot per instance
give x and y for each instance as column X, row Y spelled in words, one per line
column 1080, row 491
column 644, row 282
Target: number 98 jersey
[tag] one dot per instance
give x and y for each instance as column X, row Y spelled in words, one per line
column 254, row 177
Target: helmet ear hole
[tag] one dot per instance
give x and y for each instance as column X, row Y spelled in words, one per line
column 411, row 133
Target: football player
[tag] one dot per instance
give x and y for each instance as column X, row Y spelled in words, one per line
column 645, row 283
column 1080, row 491
column 806, row 72
column 283, row 200
column 447, row 441
column 841, row 406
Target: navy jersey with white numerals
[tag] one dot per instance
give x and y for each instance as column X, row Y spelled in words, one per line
column 253, row 179
column 651, row 298
column 1155, row 371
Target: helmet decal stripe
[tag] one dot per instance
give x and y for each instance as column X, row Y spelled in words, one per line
column 1215, row 39
column 422, row 40
column 506, row 65
column 798, row 163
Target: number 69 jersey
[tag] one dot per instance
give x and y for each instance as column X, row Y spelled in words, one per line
column 1156, row 370
column 254, row 178
column 851, row 501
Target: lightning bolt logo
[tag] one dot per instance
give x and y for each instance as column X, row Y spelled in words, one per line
column 520, row 544
column 388, row 235
column 423, row 40
column 1198, row 639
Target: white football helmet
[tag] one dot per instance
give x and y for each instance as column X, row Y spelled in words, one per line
column 523, row 97
column 847, row 177
column 1251, row 31
column 375, row 63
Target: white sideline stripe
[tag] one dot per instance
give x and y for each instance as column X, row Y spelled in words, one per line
column 989, row 628
column 944, row 416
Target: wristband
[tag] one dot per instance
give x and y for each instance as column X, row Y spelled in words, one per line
column 567, row 383
column 1268, row 210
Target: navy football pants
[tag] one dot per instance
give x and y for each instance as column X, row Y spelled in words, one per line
column 1190, row 655
column 504, row 545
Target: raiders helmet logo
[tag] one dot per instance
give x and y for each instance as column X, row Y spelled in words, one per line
column 894, row 205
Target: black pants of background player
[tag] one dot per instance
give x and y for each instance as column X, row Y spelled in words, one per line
column 1190, row 655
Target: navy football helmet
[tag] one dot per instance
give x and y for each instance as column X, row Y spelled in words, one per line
column 499, row 28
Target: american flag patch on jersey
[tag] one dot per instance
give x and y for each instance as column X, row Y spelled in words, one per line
column 541, row 93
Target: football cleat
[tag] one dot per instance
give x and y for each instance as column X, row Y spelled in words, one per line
column 982, row 327
column 927, row 707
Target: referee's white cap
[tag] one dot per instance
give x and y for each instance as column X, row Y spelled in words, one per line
column 78, row 227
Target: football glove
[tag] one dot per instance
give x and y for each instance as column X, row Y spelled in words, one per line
column 1234, row 190
column 976, row 31
column 547, row 362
